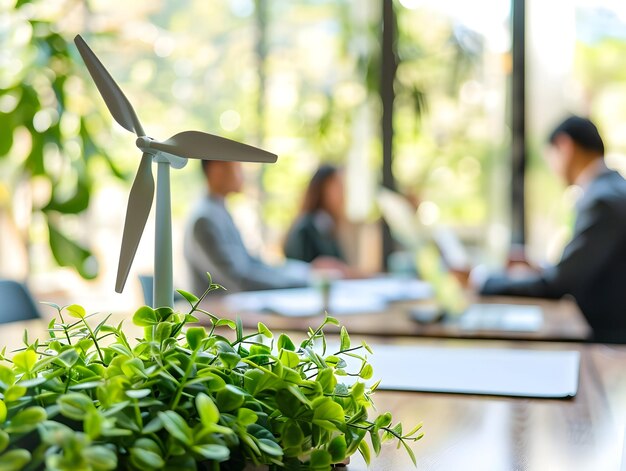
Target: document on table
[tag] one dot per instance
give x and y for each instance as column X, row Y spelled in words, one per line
column 500, row 372
column 346, row 297
column 502, row 317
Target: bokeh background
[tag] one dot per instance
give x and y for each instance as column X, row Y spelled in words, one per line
column 299, row 78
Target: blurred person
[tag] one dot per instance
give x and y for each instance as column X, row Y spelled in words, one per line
column 213, row 243
column 315, row 231
column 593, row 266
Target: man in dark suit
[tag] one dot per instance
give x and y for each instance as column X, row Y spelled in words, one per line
column 593, row 265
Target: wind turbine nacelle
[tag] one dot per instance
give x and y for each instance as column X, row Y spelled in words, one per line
column 159, row 156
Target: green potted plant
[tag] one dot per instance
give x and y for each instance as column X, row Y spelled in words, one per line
column 186, row 397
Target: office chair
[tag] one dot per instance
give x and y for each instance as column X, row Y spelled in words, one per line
column 16, row 302
column 147, row 287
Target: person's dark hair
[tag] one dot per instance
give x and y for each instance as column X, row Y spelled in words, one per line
column 313, row 196
column 582, row 131
column 204, row 166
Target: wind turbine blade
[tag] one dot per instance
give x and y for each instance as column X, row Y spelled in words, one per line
column 139, row 204
column 116, row 101
column 200, row 145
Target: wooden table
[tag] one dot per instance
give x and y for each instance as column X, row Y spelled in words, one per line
column 563, row 321
column 493, row 433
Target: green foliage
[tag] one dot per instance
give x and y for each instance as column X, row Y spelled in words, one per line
column 185, row 397
column 46, row 147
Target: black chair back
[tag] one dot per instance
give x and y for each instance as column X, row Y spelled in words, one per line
column 16, row 302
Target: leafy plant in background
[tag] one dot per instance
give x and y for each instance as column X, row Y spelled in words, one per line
column 47, row 151
column 89, row 398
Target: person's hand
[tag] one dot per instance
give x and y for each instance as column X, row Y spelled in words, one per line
column 462, row 276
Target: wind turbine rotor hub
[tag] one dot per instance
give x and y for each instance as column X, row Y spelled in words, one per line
column 143, row 142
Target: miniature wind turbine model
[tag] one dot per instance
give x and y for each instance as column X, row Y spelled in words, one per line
column 172, row 152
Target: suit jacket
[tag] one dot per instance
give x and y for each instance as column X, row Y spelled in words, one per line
column 312, row 236
column 213, row 244
column 593, row 265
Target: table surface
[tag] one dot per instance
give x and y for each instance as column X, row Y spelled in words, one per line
column 563, row 321
column 495, row 433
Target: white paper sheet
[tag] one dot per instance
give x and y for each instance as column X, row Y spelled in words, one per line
column 524, row 373
column 346, row 297
column 503, row 317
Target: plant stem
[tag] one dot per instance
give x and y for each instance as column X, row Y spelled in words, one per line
column 95, row 341
column 179, row 390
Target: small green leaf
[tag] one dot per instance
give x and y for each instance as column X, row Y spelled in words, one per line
column 246, row 416
column 212, row 452
column 3, row 411
column 7, row 376
column 325, row 408
column 208, row 411
column 384, row 420
column 75, row 405
column 229, row 359
column 375, row 439
column 366, row 346
column 4, row 440
column 163, row 313
column 229, row 398
column 288, row 358
column 292, row 435
column 409, row 452
column 227, row 323
column 54, row 433
column 14, row 460
column 270, row 447
column 29, row 383
column 366, row 371
column 133, row 368
column 153, row 426
column 320, row 459
column 176, row 426
column 146, row 459
column 194, row 336
column 26, row 420
column 92, row 424
column 163, row 331
column 414, row 430
column 138, row 393
column 24, row 361
column 145, row 317
column 14, row 393
column 284, row 342
column 76, row 311
column 326, row 378
column 68, row 357
column 264, row 331
column 100, row 457
column 337, row 449
column 344, row 339
column 191, row 298
column 364, row 449
column 239, row 328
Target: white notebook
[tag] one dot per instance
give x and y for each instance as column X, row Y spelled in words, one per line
column 523, row 373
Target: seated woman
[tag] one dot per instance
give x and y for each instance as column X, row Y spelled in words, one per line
column 314, row 233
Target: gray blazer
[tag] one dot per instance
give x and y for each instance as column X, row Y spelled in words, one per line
column 213, row 244
column 593, row 265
